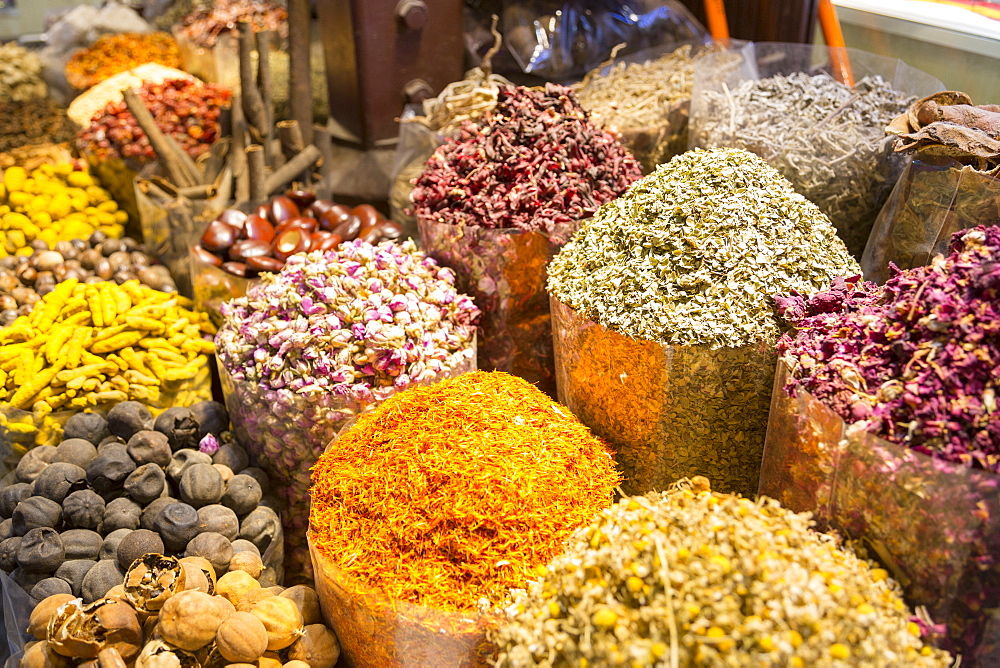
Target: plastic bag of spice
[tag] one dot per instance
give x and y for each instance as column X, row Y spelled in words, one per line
column 781, row 102
column 376, row 632
column 934, row 525
column 416, row 143
column 15, row 611
column 212, row 286
column 504, row 271
column 667, row 411
column 933, row 199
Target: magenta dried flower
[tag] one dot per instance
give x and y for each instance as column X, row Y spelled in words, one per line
column 209, row 444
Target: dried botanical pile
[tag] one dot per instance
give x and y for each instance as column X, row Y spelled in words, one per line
column 210, row 21
column 116, row 53
column 37, row 121
column 20, row 74
column 692, row 254
column 692, row 577
column 109, row 91
column 916, row 358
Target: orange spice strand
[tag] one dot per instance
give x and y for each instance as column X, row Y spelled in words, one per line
column 112, row 54
column 457, row 491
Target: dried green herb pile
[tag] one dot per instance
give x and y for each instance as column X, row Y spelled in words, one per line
column 693, row 253
column 696, row 578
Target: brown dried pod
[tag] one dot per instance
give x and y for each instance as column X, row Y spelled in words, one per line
column 152, row 580
column 38, row 623
column 247, row 562
column 242, row 638
column 252, row 598
column 83, row 630
column 282, row 620
column 318, row 648
column 41, row 655
column 158, row 654
column 149, row 630
column 118, row 593
column 235, row 584
column 189, row 619
column 307, row 601
column 110, row 658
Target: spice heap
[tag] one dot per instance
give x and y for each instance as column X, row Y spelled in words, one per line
column 533, row 163
column 826, row 138
column 916, row 358
column 207, row 23
column 692, row 254
column 112, row 54
column 169, row 611
column 74, row 516
column 20, row 74
column 187, row 111
column 328, row 337
column 452, row 493
column 33, row 122
column 647, row 103
column 109, row 91
column 697, row 578
column 54, row 203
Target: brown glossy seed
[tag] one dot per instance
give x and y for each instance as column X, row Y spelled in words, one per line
column 317, row 208
column 264, row 211
column 348, row 229
column 241, row 250
column 282, row 209
column 329, row 243
column 258, row 228
column 318, row 237
column 290, row 242
column 233, row 217
column 206, row 257
column 333, row 216
column 389, row 230
column 302, row 198
column 368, row 214
column 235, row 268
column 300, row 222
column 219, row 236
column 370, row 235
column 264, row 263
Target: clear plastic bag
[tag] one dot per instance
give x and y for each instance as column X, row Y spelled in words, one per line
column 560, row 40
column 845, row 167
column 932, row 200
column 285, row 438
column 417, row 143
column 212, row 286
column 504, row 271
column 933, row 524
column 378, row 633
column 15, row 612
column 668, row 412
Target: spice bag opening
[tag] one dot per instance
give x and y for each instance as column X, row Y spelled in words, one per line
column 934, row 525
column 504, row 271
column 780, row 101
column 668, row 412
column 211, row 286
column 933, row 199
column 377, row 632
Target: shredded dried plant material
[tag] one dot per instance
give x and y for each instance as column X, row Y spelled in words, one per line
column 448, row 494
column 692, row 577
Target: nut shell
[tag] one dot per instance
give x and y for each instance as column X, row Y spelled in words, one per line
column 82, row 630
column 158, row 654
column 41, row 655
column 282, row 619
column 152, row 580
column 242, row 638
column 38, row 623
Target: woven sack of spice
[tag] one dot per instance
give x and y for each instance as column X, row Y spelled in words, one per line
column 663, row 321
column 825, row 137
column 883, row 424
column 431, row 507
column 329, row 337
column 953, row 182
column 495, row 202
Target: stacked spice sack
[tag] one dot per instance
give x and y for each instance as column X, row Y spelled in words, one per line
column 903, row 377
column 498, row 200
column 27, row 115
column 663, row 321
column 433, row 505
column 116, row 53
column 330, row 336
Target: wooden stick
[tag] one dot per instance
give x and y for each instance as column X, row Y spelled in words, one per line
column 303, row 161
column 253, row 103
column 264, row 84
column 718, row 26
column 239, row 157
column 834, row 38
column 206, row 191
column 149, row 188
column 166, row 151
column 299, row 68
column 290, row 134
column 323, row 141
column 255, row 161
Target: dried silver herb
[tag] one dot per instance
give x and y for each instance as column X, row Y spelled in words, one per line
column 696, row 578
column 826, row 138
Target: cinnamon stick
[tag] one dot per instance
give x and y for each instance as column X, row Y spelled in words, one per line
column 290, row 134
column 166, row 148
column 299, row 68
column 264, row 84
column 239, row 157
column 281, row 177
column 323, row 141
column 253, row 102
column 255, row 161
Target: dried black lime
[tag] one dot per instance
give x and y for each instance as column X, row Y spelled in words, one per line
column 184, row 459
column 179, row 426
column 27, row 580
column 74, row 572
column 109, row 549
column 8, row 553
column 146, row 483
column 83, row 509
column 177, row 524
column 49, row 587
column 82, row 543
column 102, row 577
column 153, row 510
column 92, row 427
column 11, row 496
column 211, row 416
column 150, row 447
column 243, row 545
column 136, row 544
column 261, row 527
column 108, row 470
column 259, row 475
column 58, row 479
column 218, row 519
column 214, row 547
column 34, row 462
column 127, row 418
column 201, row 485
column 233, row 456
column 35, row 512
column 75, row 451
column 41, row 551
column 242, row 494
column 6, row 529
column 122, row 513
